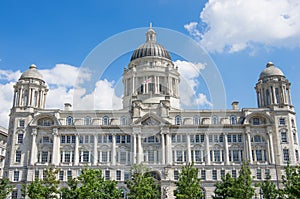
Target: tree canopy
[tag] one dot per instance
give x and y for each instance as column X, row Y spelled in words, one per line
column 188, row 185
column 142, row 185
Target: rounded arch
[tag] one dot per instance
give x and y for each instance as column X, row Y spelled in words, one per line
column 155, row 174
column 268, row 119
column 38, row 118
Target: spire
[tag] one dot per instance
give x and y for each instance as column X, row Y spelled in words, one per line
column 150, row 35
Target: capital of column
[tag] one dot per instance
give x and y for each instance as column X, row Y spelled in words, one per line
column 55, row 131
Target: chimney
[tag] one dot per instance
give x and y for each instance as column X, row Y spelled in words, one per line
column 68, row 107
column 235, row 105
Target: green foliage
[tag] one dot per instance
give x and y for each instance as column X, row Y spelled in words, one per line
column 90, row 184
column 291, row 182
column 240, row 187
column 45, row 188
column 142, row 185
column 225, row 188
column 188, row 185
column 5, row 188
column 269, row 190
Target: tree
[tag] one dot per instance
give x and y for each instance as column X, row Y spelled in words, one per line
column 45, row 188
column 142, row 185
column 188, row 185
column 268, row 189
column 5, row 188
column 91, row 184
column 240, row 187
column 225, row 188
column 243, row 184
column 291, row 182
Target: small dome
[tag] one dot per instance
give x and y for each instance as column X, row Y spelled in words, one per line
column 32, row 73
column 150, row 48
column 271, row 70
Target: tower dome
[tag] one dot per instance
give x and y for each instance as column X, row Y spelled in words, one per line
column 32, row 73
column 150, row 48
column 270, row 70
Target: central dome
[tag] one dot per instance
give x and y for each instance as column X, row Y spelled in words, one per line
column 150, row 48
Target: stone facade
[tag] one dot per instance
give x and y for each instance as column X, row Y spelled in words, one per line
column 3, row 141
column 151, row 129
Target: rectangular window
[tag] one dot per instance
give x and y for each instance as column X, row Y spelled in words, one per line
column 61, row 175
column 203, row 175
column 63, row 139
column 210, row 138
column 176, row 175
column 44, row 156
column 85, row 156
column 107, row 174
column 68, row 139
column 239, row 138
column 46, row 139
column 201, row 138
column 281, row 121
column 104, row 156
column 73, row 139
column 283, row 137
column 258, row 173
column 233, row 172
column 222, row 173
column 234, row 138
column 297, row 155
column 229, row 138
column 126, row 176
column 255, row 121
column 20, row 138
column 214, row 175
column 123, row 157
column 69, row 174
column 197, row 155
column 14, row 194
column 16, row 176
column 118, row 175
column 21, row 123
column 192, row 138
column 221, row 139
column 151, row 156
column 18, row 156
column 267, row 173
column 179, row 157
column 235, row 155
column 217, row 157
column 259, row 155
column 81, row 139
column 86, row 139
column 67, row 156
column 286, row 156
column 36, row 174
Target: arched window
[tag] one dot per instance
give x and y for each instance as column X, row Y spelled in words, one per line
column 258, row 139
column 178, row 120
column 70, row 120
column 214, row 119
column 87, row 120
column 233, row 119
column 123, row 120
column 105, row 120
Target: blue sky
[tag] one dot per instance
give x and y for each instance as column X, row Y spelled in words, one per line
column 240, row 37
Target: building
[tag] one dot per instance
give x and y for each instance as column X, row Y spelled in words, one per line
column 3, row 141
column 151, row 129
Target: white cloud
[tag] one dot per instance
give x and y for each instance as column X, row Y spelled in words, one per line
column 189, row 74
column 237, row 25
column 62, row 78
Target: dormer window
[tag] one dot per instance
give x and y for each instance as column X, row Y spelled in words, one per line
column 70, row 120
column 45, row 122
column 105, row 120
column 178, row 120
column 87, row 120
column 215, row 119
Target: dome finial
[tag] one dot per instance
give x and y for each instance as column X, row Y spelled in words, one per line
column 150, row 35
column 150, row 25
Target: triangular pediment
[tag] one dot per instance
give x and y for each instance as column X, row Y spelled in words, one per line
column 151, row 120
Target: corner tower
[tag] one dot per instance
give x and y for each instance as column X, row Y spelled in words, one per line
column 273, row 89
column 151, row 76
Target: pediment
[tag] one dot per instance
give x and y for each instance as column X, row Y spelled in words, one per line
column 151, row 120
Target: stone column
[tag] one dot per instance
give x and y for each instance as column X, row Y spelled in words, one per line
column 207, row 159
column 169, row 149
column 113, row 150
column 163, row 150
column 140, row 149
column 134, row 158
column 249, row 147
column 95, row 149
column 271, row 145
column 76, row 150
column 33, row 158
column 188, row 144
column 226, row 149
column 56, row 147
